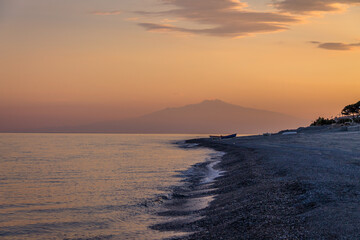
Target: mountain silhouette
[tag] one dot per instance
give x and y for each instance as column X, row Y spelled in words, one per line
column 209, row 116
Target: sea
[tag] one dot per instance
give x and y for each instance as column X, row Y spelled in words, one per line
column 90, row 186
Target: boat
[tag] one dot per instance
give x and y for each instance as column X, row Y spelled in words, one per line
column 229, row 136
column 223, row 137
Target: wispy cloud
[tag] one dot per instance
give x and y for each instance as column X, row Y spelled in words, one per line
column 311, row 6
column 224, row 18
column 106, row 13
column 160, row 27
column 234, row 18
column 338, row 46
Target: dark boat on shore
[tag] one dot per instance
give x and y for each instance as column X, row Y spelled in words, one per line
column 223, row 137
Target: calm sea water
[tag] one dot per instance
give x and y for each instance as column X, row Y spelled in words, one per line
column 88, row 186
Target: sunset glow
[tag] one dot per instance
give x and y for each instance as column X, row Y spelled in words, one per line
column 71, row 62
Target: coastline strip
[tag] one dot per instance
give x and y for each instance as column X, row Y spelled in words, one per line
column 282, row 187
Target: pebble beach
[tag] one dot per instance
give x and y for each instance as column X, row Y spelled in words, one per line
column 282, row 186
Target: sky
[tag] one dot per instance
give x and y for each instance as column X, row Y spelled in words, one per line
column 81, row 61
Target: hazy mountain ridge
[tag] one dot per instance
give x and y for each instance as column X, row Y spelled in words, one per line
column 209, row 116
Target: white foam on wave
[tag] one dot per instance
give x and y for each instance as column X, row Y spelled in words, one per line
column 213, row 173
column 190, row 145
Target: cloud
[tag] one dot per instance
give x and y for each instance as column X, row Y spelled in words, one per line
column 224, row 18
column 152, row 27
column 311, row 6
column 108, row 13
column 338, row 46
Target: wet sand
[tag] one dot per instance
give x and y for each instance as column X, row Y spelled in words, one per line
column 303, row 186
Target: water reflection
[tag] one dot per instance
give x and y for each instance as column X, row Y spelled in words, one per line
column 68, row 186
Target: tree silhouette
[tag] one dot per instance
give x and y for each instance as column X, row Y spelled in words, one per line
column 351, row 109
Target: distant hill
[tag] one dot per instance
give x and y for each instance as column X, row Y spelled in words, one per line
column 210, row 116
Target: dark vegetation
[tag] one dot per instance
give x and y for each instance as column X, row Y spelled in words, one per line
column 323, row 121
column 351, row 113
column 352, row 109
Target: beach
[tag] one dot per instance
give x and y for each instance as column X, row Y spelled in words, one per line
column 297, row 186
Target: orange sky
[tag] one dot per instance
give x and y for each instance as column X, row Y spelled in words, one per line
column 68, row 62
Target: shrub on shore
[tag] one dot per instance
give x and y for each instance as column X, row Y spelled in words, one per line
column 323, row 121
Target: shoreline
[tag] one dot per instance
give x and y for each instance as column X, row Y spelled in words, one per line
column 303, row 186
column 189, row 200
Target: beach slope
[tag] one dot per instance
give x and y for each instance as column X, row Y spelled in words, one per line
column 302, row 186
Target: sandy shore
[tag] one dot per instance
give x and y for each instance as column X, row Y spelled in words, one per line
column 303, row 186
